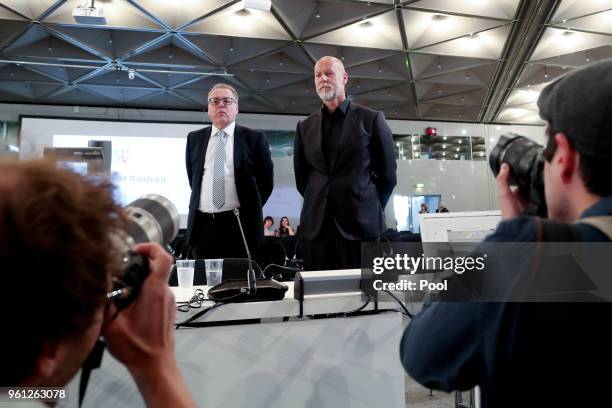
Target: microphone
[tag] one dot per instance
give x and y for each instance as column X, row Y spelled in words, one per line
column 234, row 290
column 252, row 288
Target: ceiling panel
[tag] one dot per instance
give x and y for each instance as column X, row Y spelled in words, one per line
column 110, row 43
column 307, row 18
column 381, row 32
column 179, row 13
column 425, row 28
column 569, row 9
column 350, row 56
column 236, row 21
column 487, row 44
column 557, row 42
column 31, row 8
column 598, row 23
column 503, row 9
column 231, row 50
column 118, row 14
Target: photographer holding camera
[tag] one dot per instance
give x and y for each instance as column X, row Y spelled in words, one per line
column 528, row 353
column 58, row 255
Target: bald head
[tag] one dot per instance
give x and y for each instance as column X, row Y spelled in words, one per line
column 330, row 80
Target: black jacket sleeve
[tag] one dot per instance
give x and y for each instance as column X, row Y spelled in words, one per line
column 264, row 168
column 383, row 159
column 299, row 162
column 188, row 158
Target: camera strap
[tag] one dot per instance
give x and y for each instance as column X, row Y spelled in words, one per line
column 602, row 223
column 554, row 231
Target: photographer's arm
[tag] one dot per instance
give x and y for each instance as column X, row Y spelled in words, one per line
column 511, row 203
column 142, row 336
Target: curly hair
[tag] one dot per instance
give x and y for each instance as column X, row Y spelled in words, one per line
column 57, row 255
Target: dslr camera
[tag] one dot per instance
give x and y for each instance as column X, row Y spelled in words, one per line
column 152, row 218
column 526, row 161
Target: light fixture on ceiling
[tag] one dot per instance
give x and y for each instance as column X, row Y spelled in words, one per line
column 439, row 66
column 280, row 61
column 389, row 93
column 264, row 5
column 317, row 14
column 587, row 57
column 380, row 70
column 444, row 138
column 366, row 25
column 467, row 76
column 419, row 185
column 439, row 90
column 546, row 72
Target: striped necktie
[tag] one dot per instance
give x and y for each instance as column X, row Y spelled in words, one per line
column 218, row 193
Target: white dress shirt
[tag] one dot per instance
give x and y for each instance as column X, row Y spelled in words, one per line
column 231, row 195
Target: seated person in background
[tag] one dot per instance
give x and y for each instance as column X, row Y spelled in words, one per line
column 268, row 223
column 424, row 209
column 58, row 255
column 285, row 229
column 441, row 208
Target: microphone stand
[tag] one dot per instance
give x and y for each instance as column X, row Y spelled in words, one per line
column 252, row 288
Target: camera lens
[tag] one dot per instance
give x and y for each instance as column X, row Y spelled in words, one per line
column 524, row 157
column 521, row 154
column 153, row 218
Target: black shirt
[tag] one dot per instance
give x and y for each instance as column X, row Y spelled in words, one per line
column 331, row 127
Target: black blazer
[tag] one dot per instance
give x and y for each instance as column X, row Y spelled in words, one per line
column 357, row 182
column 253, row 172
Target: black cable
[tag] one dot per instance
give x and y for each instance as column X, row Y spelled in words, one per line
column 399, row 302
column 198, row 315
column 289, row 268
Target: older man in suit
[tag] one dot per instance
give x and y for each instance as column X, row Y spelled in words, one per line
column 345, row 169
column 229, row 166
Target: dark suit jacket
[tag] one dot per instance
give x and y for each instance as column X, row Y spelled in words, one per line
column 356, row 183
column 253, row 172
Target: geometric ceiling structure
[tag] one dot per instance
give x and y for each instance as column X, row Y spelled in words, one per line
column 473, row 60
column 577, row 33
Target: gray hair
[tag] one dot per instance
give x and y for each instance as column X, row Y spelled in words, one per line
column 226, row 86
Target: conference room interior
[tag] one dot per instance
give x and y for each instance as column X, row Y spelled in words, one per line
column 451, row 77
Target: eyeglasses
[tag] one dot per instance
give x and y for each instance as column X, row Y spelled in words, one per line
column 217, row 101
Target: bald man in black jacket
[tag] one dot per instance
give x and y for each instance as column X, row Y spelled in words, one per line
column 345, row 169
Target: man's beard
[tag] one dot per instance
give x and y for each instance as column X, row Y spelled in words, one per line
column 327, row 95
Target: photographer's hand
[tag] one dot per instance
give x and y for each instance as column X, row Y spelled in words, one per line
column 511, row 203
column 142, row 336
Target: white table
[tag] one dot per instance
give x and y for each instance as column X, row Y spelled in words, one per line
column 328, row 362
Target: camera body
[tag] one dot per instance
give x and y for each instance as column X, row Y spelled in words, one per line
column 526, row 161
column 152, row 218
